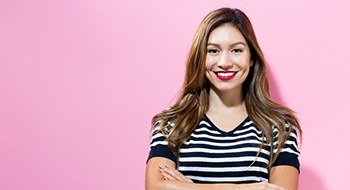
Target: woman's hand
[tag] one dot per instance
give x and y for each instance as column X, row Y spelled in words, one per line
column 170, row 173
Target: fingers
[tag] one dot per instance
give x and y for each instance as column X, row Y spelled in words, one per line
column 166, row 175
column 178, row 175
column 170, row 173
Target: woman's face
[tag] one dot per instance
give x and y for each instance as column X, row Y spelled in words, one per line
column 228, row 59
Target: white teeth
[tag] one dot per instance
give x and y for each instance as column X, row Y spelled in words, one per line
column 225, row 74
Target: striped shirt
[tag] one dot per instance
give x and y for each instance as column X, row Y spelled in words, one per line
column 211, row 155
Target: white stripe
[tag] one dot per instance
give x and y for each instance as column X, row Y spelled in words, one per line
column 289, row 151
column 251, row 128
column 289, row 142
column 157, row 136
column 223, row 169
column 204, row 123
column 226, row 138
column 156, row 129
column 159, row 143
column 248, row 123
column 208, row 130
column 220, row 144
column 227, row 179
column 220, row 160
column 235, row 150
column 293, row 135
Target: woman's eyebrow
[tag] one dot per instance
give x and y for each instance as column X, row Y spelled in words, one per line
column 234, row 44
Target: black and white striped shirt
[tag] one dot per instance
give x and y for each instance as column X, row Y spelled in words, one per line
column 211, row 155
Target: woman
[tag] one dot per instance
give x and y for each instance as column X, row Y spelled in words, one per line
column 224, row 131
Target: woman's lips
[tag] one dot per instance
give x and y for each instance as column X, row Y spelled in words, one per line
column 225, row 75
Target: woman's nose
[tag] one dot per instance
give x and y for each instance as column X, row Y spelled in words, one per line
column 225, row 61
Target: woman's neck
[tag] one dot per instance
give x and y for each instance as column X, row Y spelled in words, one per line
column 227, row 102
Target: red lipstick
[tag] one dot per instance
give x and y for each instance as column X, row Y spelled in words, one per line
column 225, row 75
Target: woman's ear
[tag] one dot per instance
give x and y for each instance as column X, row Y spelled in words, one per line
column 251, row 63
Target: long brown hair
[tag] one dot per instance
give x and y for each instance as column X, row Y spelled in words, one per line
column 193, row 100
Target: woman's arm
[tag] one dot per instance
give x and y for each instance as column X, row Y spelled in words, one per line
column 176, row 181
column 285, row 176
column 156, row 181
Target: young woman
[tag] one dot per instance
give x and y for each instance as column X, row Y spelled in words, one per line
column 224, row 131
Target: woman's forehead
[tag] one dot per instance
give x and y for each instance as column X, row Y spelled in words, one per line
column 224, row 34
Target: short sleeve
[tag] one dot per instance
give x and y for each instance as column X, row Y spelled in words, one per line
column 289, row 154
column 159, row 146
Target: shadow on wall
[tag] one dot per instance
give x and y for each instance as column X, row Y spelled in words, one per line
column 274, row 90
column 308, row 179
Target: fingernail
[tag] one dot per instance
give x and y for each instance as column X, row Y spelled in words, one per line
column 161, row 166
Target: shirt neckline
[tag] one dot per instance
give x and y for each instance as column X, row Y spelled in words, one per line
column 224, row 132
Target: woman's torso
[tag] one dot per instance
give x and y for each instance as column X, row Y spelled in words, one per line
column 211, row 155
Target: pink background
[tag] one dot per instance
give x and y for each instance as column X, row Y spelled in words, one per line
column 81, row 80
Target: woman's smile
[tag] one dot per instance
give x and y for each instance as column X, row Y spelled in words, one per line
column 226, row 75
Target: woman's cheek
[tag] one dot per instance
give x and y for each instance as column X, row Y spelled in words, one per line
column 236, row 59
column 209, row 63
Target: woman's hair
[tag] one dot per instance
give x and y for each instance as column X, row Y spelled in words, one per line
column 193, row 100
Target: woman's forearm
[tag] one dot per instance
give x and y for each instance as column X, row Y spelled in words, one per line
column 179, row 185
column 162, row 175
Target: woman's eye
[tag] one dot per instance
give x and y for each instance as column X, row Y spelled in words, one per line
column 237, row 50
column 213, row 51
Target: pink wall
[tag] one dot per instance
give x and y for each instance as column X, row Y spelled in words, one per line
column 81, row 80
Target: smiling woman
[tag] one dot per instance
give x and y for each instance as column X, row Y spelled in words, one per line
column 224, row 131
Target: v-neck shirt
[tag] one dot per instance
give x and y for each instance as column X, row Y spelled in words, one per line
column 206, row 117
column 211, row 155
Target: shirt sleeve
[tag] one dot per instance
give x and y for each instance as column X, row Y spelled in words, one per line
column 159, row 146
column 289, row 154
